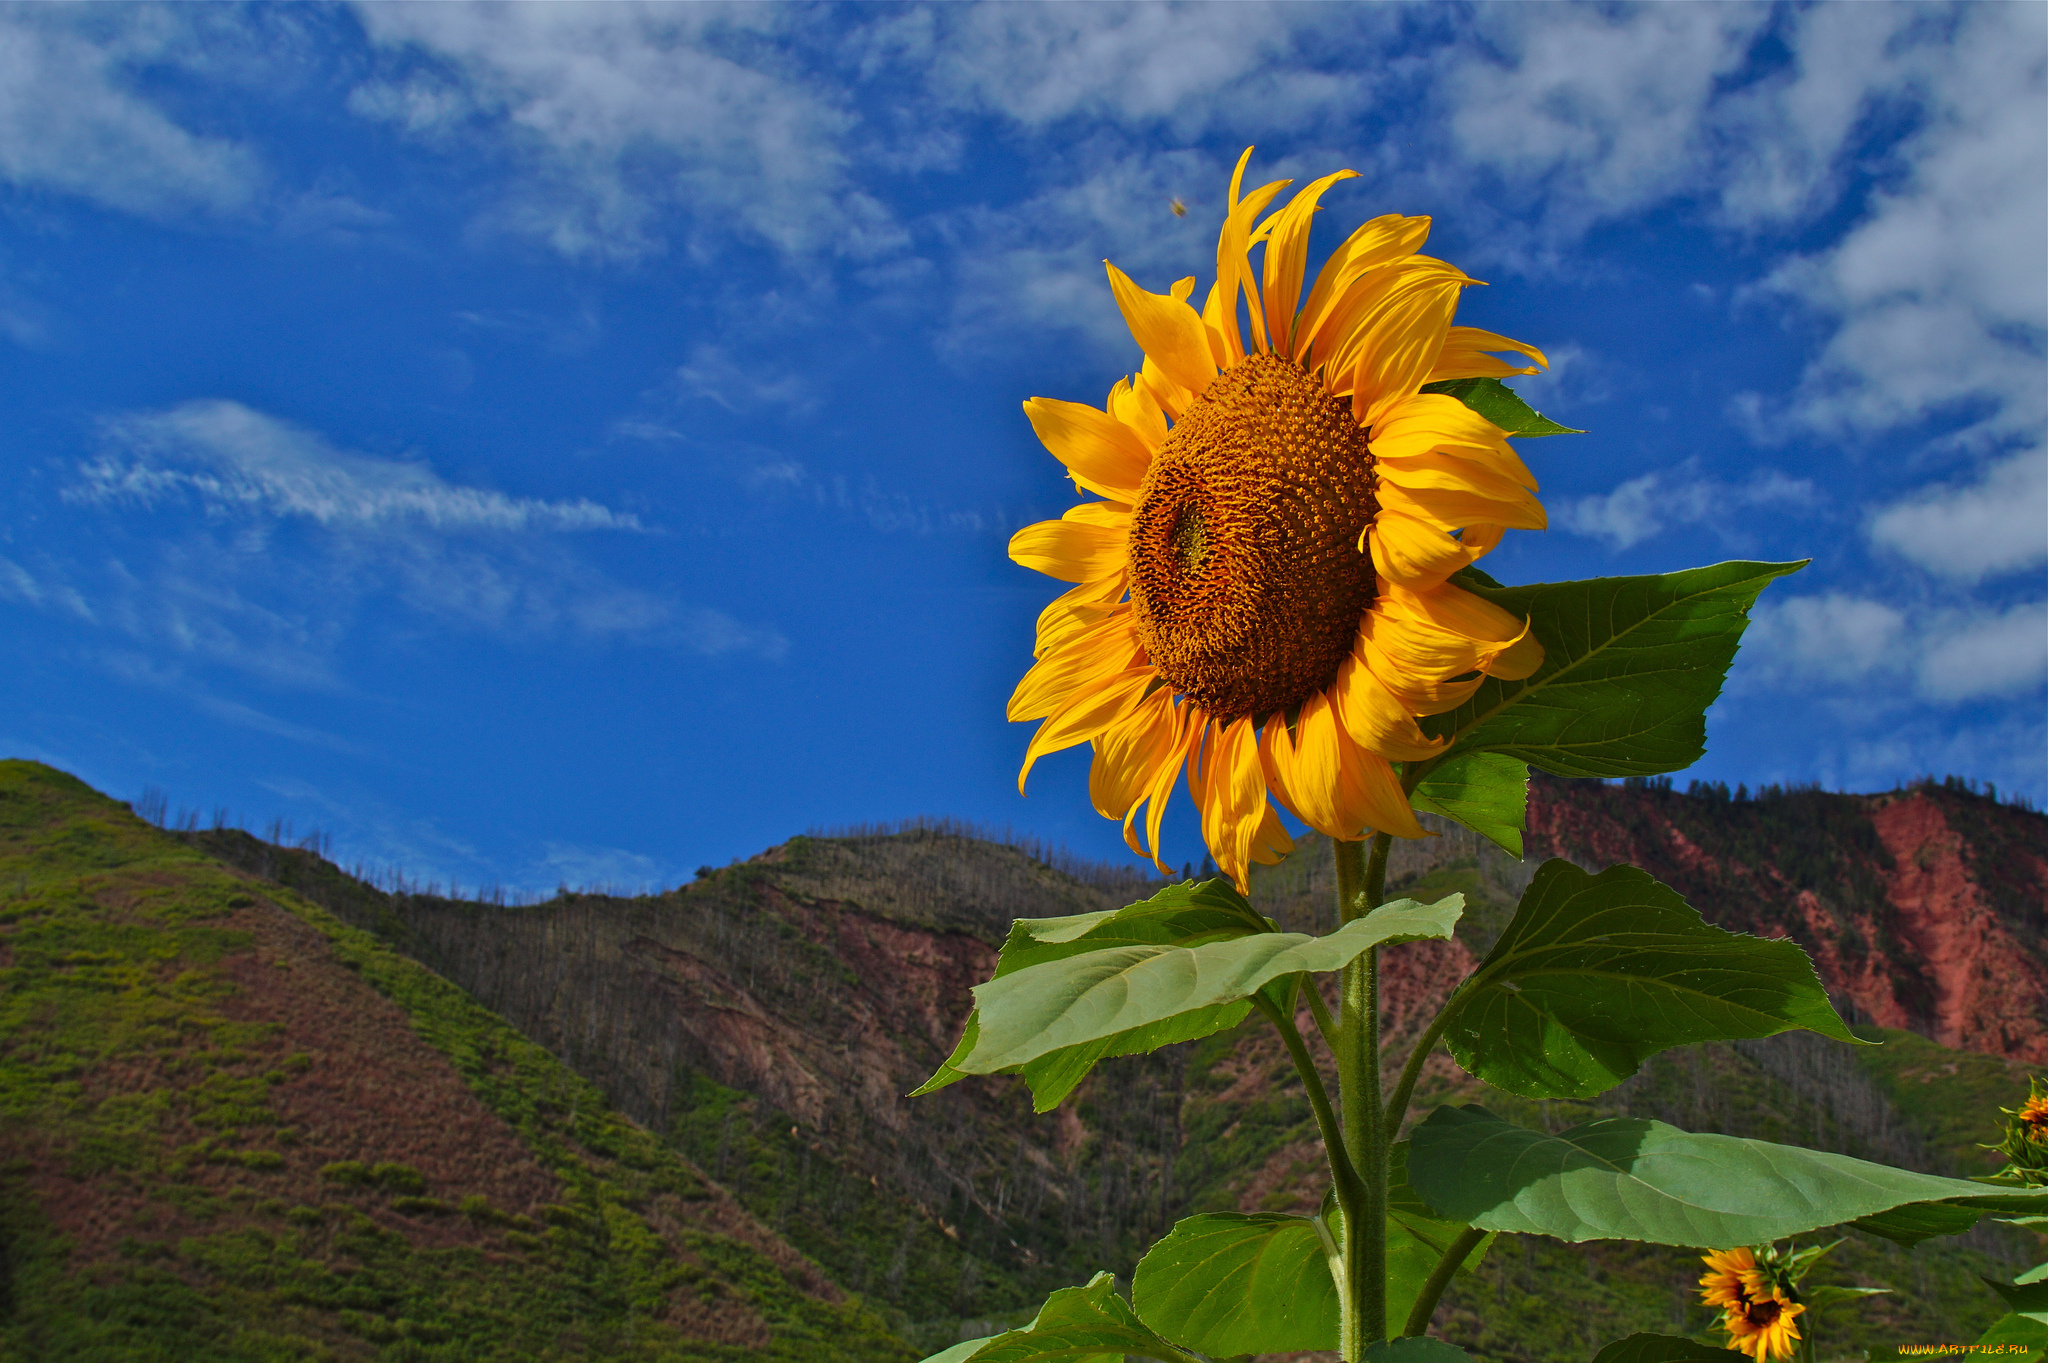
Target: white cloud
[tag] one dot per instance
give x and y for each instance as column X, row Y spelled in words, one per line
column 1939, row 289
column 1939, row 655
column 72, row 123
column 236, row 458
column 301, row 546
column 620, row 115
column 1968, row 654
column 1189, row 67
column 713, row 374
column 1645, row 506
column 1600, row 112
column 1996, row 525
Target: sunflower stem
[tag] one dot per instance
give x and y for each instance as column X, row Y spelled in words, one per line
column 1440, row 1278
column 1361, row 887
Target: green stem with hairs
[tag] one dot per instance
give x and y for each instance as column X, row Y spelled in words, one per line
column 1361, row 888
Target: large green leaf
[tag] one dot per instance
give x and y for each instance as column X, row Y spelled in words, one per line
column 2015, row 1338
column 1186, row 914
column 1228, row 1283
column 1648, row 1348
column 1597, row 973
column 1488, row 792
column 1630, row 666
column 1501, row 405
column 1106, row 993
column 1417, row 1239
column 1089, row 1324
column 1626, row 1179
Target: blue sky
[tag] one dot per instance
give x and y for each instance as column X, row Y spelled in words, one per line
column 578, row 444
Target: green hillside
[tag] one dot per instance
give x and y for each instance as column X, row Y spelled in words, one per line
column 234, row 1128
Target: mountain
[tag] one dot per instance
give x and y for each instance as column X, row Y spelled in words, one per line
column 234, row 1128
column 758, row 1027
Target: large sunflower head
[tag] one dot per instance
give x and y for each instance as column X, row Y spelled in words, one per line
column 1262, row 593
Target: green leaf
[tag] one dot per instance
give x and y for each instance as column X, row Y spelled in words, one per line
column 1501, row 405
column 1105, row 993
column 1814, row 1298
column 1417, row 1238
column 1230, row 1283
column 1185, row 914
column 1597, row 973
column 1089, row 1324
column 1911, row 1224
column 1414, row 1349
column 1227, row 1283
column 1626, row 1179
column 2024, row 1299
column 2014, row 1339
column 1488, row 792
column 1648, row 1348
column 1630, row 666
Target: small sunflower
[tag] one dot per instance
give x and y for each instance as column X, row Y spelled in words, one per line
column 1729, row 1272
column 1765, row 1328
column 2026, row 1137
column 1262, row 593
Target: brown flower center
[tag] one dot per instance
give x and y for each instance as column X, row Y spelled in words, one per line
column 1245, row 569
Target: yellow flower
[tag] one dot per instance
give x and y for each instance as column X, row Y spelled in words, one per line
column 1262, row 592
column 2034, row 1114
column 1729, row 1270
column 1764, row 1328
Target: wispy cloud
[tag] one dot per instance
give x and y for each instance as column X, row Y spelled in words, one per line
column 627, row 119
column 1996, row 525
column 232, row 457
column 1646, row 506
column 1943, row 655
column 300, row 546
column 72, row 122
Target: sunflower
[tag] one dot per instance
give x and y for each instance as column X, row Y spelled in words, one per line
column 1729, row 1272
column 2033, row 1115
column 1262, row 589
column 1763, row 1327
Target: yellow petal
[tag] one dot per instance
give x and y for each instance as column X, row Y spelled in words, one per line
column 1505, row 648
column 1128, row 755
column 1102, row 649
column 1104, row 455
column 1402, row 344
column 1378, row 243
column 1086, row 713
column 1233, row 263
column 1448, row 472
column 1417, row 554
column 1465, row 356
column 1372, row 309
column 1374, row 719
column 1189, row 722
column 1068, row 614
column 1287, row 258
column 1225, row 780
column 1453, row 509
column 1212, row 321
column 1170, row 397
column 1167, row 330
column 1432, row 423
column 1136, row 407
column 1270, row 841
column 1401, row 646
column 1376, row 798
column 1070, row 551
column 1307, row 765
